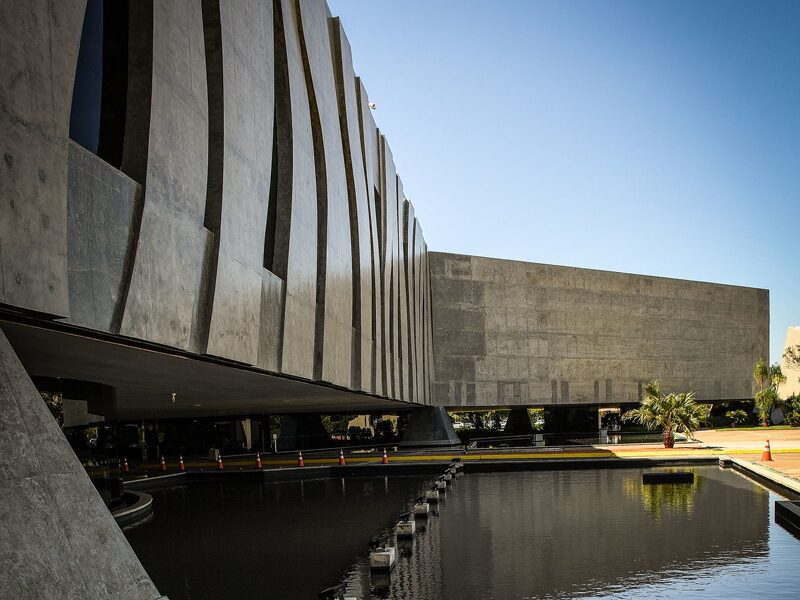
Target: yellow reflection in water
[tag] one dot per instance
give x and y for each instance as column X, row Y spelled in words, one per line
column 676, row 497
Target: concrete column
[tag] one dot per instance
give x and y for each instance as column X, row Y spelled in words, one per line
column 519, row 422
column 57, row 538
column 430, row 426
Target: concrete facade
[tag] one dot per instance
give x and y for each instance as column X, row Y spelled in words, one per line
column 511, row 333
column 248, row 248
column 256, row 215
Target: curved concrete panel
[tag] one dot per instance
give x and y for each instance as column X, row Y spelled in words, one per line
column 403, row 362
column 408, row 257
column 419, row 315
column 335, row 348
column 162, row 303
column 369, row 149
column 301, row 267
column 390, row 270
column 102, row 208
column 39, row 43
column 348, row 91
column 248, row 100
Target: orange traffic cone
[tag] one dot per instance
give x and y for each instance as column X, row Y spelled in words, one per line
column 341, row 458
column 163, row 466
column 125, row 467
column 300, row 462
column 181, row 466
column 767, row 455
column 258, row 460
column 220, row 466
column 385, row 459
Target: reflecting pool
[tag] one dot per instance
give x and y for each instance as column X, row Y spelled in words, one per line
column 594, row 533
column 515, row 535
column 272, row 540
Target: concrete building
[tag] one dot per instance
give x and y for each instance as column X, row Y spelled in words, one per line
column 511, row 333
column 199, row 216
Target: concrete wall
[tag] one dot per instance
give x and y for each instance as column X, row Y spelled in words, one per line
column 256, row 216
column 57, row 538
column 513, row 333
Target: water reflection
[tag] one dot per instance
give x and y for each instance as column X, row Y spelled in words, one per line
column 278, row 540
column 663, row 496
column 592, row 533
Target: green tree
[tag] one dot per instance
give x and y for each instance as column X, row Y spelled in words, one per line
column 776, row 376
column 671, row 413
column 793, row 410
column 760, row 373
column 767, row 399
column 737, row 417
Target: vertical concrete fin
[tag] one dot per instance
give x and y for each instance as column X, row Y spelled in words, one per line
column 212, row 216
column 246, row 86
column 367, row 135
column 137, row 132
column 164, row 295
column 322, row 201
column 334, row 344
column 342, row 67
column 300, row 314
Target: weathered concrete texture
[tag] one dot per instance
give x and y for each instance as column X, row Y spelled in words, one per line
column 39, row 43
column 513, row 333
column 337, row 311
column 301, row 272
column 171, row 254
column 361, row 228
column 248, row 107
column 403, row 363
column 57, row 538
column 389, row 247
column 102, row 208
column 419, row 316
column 430, row 426
column 369, row 149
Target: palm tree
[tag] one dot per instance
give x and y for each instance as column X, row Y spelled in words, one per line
column 761, row 373
column 765, row 401
column 671, row 413
column 767, row 398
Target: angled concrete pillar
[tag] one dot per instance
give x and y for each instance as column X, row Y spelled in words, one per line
column 57, row 538
column 519, row 422
column 430, row 426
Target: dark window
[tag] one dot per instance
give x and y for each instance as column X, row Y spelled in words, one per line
column 97, row 116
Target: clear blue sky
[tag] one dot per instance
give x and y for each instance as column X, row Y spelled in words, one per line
column 646, row 137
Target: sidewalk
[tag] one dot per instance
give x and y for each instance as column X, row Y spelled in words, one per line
column 745, row 445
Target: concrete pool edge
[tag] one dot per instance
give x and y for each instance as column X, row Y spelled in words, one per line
column 472, row 464
column 765, row 473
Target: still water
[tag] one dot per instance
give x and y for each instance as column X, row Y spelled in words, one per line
column 522, row 535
